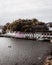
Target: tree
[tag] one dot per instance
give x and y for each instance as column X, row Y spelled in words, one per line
column 22, row 25
column 4, row 29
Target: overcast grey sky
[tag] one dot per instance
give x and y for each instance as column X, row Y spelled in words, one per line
column 13, row 9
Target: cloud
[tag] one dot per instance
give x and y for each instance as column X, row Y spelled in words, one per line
column 14, row 9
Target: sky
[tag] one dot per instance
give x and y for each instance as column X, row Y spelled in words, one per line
column 11, row 10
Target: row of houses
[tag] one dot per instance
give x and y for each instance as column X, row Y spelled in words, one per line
column 46, row 35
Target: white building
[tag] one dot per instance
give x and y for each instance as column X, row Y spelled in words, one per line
column 50, row 28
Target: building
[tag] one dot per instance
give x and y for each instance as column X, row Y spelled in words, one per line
column 49, row 25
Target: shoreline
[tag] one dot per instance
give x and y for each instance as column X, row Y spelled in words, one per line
column 6, row 36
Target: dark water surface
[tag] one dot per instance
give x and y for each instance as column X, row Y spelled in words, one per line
column 22, row 52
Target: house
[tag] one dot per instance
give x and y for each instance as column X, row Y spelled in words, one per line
column 50, row 28
column 49, row 25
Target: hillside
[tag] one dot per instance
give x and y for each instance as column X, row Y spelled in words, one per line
column 25, row 25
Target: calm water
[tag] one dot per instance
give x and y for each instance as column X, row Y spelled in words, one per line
column 22, row 52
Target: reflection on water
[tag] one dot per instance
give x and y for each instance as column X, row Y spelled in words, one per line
column 22, row 52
